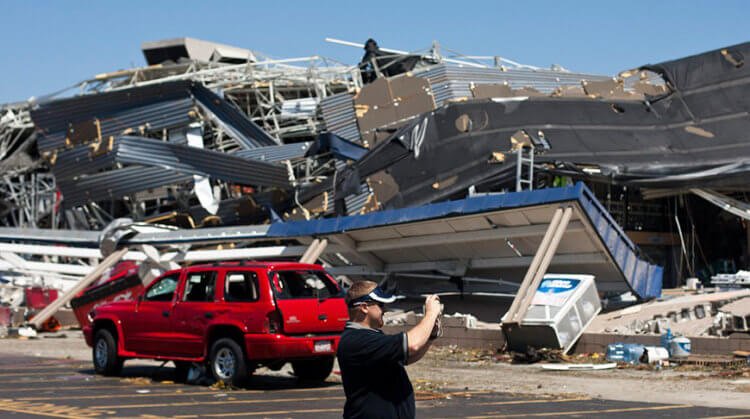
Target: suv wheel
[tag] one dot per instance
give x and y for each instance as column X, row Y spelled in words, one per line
column 227, row 362
column 313, row 369
column 104, row 354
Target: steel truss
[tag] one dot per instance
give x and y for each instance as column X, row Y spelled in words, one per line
column 31, row 200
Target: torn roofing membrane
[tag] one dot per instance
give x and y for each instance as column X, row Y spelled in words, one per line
column 337, row 146
column 694, row 135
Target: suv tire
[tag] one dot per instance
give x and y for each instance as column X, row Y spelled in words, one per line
column 104, row 354
column 313, row 369
column 227, row 362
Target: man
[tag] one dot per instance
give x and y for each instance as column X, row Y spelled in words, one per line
column 372, row 363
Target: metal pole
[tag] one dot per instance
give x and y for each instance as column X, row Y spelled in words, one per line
column 396, row 51
column 519, row 169
column 542, row 269
column 524, row 287
column 52, row 308
column 315, row 252
column 309, row 250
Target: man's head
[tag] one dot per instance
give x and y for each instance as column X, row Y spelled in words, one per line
column 365, row 301
column 371, row 45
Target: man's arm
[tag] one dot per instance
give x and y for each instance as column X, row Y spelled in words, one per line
column 418, row 337
column 416, row 356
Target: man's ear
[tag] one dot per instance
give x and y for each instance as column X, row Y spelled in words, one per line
column 362, row 309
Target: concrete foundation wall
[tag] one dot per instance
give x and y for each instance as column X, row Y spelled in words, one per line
column 456, row 332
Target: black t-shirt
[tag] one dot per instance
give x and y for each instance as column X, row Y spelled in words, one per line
column 372, row 369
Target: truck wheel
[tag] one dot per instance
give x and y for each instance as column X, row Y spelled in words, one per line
column 227, row 362
column 104, row 354
column 313, row 369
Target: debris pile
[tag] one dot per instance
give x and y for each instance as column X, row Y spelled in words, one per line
column 225, row 149
column 214, row 135
column 210, row 134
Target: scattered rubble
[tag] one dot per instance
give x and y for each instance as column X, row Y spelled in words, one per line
column 689, row 315
column 738, row 279
column 734, row 317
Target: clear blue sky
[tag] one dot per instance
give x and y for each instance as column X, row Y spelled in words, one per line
column 49, row 45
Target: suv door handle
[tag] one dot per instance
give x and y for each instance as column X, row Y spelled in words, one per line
column 323, row 317
column 209, row 315
column 165, row 313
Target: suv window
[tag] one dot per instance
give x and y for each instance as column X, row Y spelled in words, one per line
column 303, row 284
column 241, row 286
column 200, row 286
column 163, row 289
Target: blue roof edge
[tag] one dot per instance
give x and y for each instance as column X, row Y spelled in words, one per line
column 644, row 279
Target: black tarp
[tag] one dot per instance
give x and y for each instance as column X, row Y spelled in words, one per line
column 388, row 63
column 340, row 148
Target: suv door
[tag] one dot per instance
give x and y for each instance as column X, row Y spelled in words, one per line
column 243, row 299
column 148, row 328
column 193, row 312
column 310, row 301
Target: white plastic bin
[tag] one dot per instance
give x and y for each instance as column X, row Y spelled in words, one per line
column 562, row 308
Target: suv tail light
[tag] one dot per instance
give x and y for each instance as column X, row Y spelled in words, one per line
column 273, row 322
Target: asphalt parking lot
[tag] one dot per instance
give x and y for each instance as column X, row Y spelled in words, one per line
column 39, row 387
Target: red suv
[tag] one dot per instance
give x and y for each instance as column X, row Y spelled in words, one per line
column 234, row 316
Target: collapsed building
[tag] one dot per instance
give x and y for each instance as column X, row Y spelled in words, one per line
column 277, row 158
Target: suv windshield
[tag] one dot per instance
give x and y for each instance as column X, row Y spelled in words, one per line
column 303, row 284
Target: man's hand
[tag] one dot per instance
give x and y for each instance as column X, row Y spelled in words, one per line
column 432, row 306
column 419, row 336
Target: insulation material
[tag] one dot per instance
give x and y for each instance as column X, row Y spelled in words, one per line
column 449, row 83
column 487, row 91
column 386, row 101
column 202, row 189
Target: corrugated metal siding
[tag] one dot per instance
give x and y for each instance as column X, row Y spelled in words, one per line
column 185, row 159
column 354, row 203
column 77, row 161
column 276, row 153
column 452, row 82
column 55, row 115
column 339, row 117
column 644, row 278
column 149, row 108
column 149, row 117
column 117, row 183
column 239, row 126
